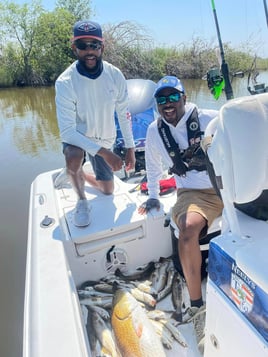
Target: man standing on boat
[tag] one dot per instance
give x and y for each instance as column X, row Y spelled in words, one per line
column 174, row 140
column 88, row 93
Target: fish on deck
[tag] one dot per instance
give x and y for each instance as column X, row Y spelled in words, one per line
column 134, row 333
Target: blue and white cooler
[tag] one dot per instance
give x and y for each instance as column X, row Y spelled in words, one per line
column 237, row 292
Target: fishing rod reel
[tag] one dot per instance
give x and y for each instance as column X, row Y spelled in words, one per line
column 215, row 81
column 252, row 76
column 258, row 88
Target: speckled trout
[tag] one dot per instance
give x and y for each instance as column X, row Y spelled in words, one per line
column 134, row 333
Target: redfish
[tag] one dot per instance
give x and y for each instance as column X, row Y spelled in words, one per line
column 134, row 333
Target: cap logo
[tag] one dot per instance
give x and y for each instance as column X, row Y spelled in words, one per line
column 169, row 81
column 86, row 27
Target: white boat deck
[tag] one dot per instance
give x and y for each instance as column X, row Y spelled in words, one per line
column 65, row 256
column 60, row 256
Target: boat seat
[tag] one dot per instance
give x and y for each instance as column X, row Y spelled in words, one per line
column 237, row 269
column 239, row 154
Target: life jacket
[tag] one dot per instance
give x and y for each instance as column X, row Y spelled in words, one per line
column 166, row 186
column 193, row 158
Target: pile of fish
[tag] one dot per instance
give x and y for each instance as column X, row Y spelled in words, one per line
column 123, row 313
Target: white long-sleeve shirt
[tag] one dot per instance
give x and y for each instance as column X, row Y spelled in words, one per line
column 157, row 158
column 85, row 108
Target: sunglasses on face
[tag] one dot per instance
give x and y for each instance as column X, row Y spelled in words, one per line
column 88, row 45
column 172, row 98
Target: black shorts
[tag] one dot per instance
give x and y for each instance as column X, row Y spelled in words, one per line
column 101, row 169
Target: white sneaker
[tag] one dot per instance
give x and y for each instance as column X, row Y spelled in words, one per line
column 82, row 214
column 197, row 315
column 61, row 179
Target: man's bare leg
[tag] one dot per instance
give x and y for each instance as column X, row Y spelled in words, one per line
column 190, row 227
column 106, row 187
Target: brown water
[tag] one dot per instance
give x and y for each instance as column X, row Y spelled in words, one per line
column 29, row 145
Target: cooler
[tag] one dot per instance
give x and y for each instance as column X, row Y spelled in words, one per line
column 237, row 292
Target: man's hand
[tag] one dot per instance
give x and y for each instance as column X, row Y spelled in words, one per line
column 113, row 160
column 130, row 159
column 146, row 206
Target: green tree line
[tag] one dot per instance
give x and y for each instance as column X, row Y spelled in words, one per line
column 35, row 47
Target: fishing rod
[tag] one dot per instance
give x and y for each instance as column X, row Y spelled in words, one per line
column 266, row 11
column 224, row 66
column 257, row 87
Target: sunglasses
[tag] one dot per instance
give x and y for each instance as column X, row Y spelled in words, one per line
column 88, row 45
column 172, row 98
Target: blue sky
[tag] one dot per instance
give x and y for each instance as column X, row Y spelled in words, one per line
column 176, row 21
column 172, row 22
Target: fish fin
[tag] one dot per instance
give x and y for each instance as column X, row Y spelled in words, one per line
column 139, row 330
column 137, row 316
